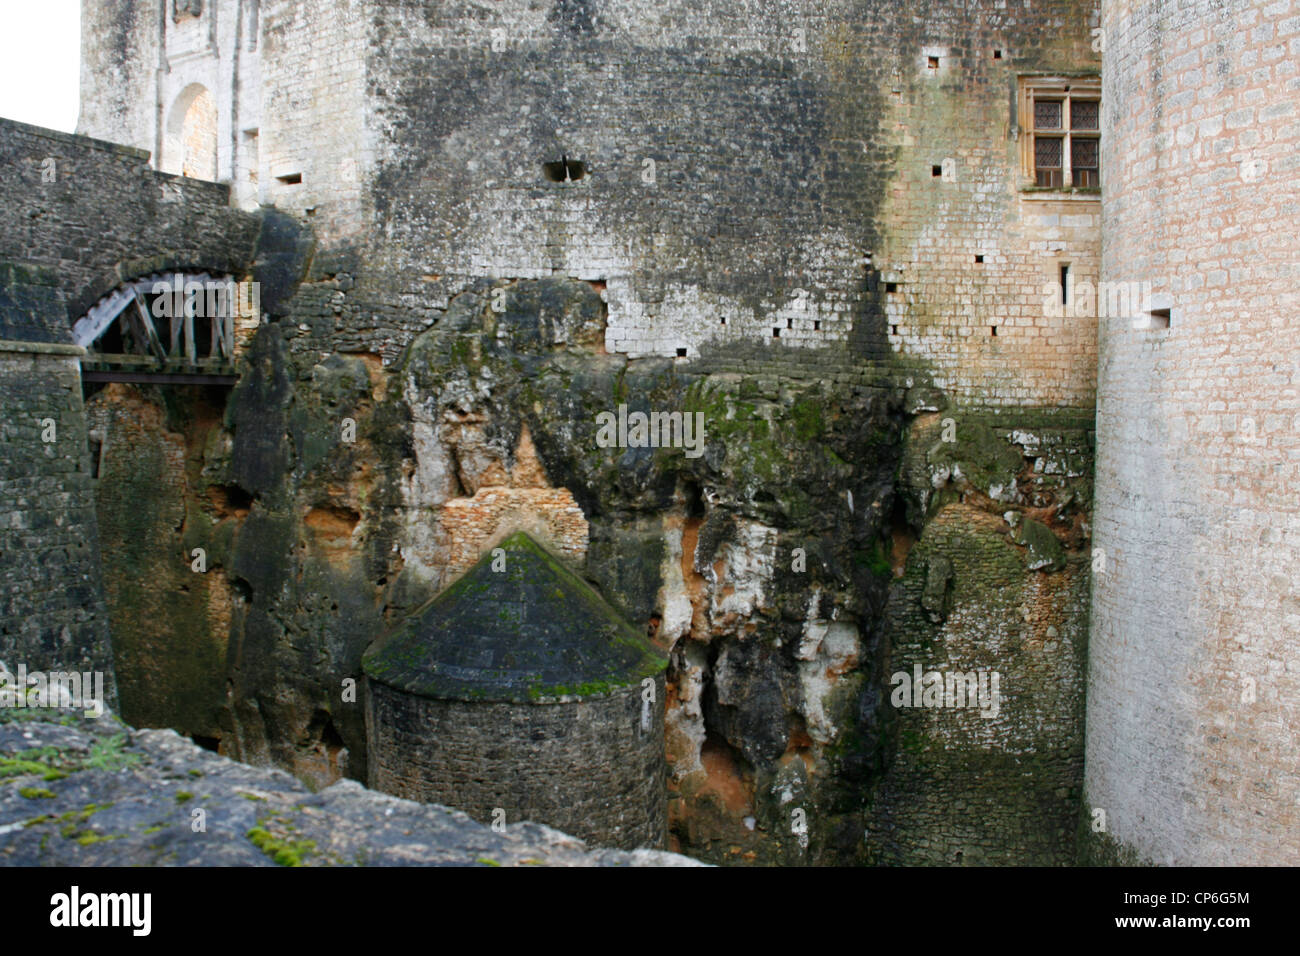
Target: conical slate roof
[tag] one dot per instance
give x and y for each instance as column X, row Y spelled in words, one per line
column 533, row 631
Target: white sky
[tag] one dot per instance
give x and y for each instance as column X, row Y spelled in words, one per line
column 40, row 53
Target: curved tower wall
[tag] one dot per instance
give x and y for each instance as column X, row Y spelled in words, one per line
column 593, row 767
column 1194, row 685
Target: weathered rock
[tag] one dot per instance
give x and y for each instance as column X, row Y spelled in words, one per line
column 1044, row 550
column 79, row 792
column 937, row 595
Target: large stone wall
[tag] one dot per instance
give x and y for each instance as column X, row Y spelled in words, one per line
column 997, row 591
column 793, row 151
column 78, row 217
column 120, row 60
column 753, row 173
column 150, row 62
column 52, row 614
column 97, row 214
column 1194, row 682
column 99, row 793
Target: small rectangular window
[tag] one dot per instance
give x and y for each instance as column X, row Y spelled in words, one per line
column 1047, row 161
column 1085, row 114
column 1047, row 114
column 1083, row 161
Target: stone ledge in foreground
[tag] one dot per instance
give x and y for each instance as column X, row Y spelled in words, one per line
column 81, row 792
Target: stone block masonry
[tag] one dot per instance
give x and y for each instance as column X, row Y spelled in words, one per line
column 104, row 216
column 481, row 757
column 760, row 179
column 813, row 219
column 52, row 614
column 143, row 813
column 1194, row 671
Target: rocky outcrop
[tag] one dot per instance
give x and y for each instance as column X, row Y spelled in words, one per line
column 837, row 520
column 95, row 792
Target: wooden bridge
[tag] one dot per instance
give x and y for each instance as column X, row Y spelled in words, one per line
column 197, row 311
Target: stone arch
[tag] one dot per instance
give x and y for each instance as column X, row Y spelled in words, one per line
column 190, row 137
column 194, row 320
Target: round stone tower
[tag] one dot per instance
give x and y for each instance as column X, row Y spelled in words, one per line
column 1194, row 683
column 519, row 693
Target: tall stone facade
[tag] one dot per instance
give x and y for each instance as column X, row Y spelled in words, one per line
column 1194, row 677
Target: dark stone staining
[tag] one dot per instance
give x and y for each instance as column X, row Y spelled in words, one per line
column 31, row 305
column 576, row 17
column 775, row 156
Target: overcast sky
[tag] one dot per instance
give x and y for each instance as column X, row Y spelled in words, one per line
column 40, row 49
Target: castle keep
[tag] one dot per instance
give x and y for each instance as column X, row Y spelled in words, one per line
column 986, row 310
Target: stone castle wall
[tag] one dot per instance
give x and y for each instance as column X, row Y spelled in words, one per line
column 150, row 64
column 1193, row 663
column 78, row 217
column 52, row 614
column 753, row 174
column 97, row 214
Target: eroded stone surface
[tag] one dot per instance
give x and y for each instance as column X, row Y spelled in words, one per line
column 97, row 793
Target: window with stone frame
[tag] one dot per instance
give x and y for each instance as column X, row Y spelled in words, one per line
column 1060, row 126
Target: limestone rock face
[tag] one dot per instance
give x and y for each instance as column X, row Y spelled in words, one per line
column 787, row 569
column 80, row 792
